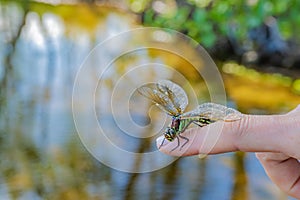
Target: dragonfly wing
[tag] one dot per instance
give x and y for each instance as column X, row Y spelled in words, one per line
column 167, row 95
column 214, row 112
column 176, row 94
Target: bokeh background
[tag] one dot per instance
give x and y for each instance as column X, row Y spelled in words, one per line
column 254, row 43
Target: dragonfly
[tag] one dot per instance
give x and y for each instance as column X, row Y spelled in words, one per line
column 172, row 99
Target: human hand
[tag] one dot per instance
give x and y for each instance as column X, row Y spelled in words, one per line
column 275, row 138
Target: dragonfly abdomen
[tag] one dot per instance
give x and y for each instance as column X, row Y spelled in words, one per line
column 204, row 121
column 200, row 121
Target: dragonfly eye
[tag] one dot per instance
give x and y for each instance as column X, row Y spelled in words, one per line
column 170, row 134
column 172, row 131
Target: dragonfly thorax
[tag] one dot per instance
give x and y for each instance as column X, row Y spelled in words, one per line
column 175, row 123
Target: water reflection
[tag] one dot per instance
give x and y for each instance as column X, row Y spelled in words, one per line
column 41, row 154
column 239, row 190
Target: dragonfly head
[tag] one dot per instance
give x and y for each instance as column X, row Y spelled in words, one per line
column 170, row 134
column 176, row 117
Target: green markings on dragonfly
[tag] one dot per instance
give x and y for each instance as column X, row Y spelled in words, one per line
column 172, row 99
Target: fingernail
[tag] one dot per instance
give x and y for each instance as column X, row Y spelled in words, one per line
column 160, row 141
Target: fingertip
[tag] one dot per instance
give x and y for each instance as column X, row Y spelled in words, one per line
column 178, row 147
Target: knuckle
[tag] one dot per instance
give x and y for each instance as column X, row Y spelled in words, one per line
column 240, row 130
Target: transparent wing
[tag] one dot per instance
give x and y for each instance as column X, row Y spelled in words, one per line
column 167, row 95
column 214, row 112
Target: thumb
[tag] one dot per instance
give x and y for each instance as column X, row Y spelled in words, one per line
column 252, row 133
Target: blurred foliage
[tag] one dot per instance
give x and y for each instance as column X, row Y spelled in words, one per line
column 254, row 91
column 80, row 16
column 207, row 20
column 204, row 20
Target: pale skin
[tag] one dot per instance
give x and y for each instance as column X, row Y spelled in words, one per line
column 274, row 138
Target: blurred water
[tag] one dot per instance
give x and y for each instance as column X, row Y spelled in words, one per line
column 41, row 154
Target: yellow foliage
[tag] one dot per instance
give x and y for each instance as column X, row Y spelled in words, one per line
column 250, row 89
column 81, row 16
column 20, row 181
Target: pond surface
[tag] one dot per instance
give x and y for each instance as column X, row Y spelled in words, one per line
column 51, row 147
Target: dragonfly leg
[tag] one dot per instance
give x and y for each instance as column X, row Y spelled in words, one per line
column 178, row 144
column 162, row 143
column 187, row 140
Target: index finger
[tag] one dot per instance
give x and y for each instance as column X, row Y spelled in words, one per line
column 253, row 133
